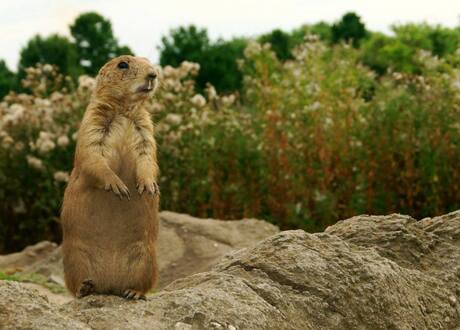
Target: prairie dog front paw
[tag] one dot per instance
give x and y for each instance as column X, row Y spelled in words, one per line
column 118, row 187
column 148, row 185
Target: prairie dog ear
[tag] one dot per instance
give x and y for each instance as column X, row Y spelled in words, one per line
column 159, row 71
column 102, row 74
column 102, row 71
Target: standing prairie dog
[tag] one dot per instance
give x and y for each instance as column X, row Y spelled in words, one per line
column 110, row 209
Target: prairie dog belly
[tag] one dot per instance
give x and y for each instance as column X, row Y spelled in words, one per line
column 114, row 238
column 120, row 147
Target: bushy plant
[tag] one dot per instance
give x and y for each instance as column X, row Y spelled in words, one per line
column 309, row 141
column 37, row 134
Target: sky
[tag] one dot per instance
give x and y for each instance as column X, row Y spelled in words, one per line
column 141, row 23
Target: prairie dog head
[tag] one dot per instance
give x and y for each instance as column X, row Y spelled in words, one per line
column 127, row 79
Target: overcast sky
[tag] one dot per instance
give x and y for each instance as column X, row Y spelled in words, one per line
column 140, row 23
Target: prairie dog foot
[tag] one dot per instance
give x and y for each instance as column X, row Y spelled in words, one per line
column 133, row 295
column 86, row 288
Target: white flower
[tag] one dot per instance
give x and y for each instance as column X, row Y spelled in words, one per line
column 61, row 176
column 86, row 82
column 190, row 67
column 19, row 146
column 173, row 118
column 252, row 49
column 397, row 76
column 212, row 94
column 44, row 142
column 169, row 71
column 7, row 141
column 16, row 108
column 315, row 106
column 198, row 100
column 47, row 68
column 169, row 96
column 35, row 162
column 228, row 100
column 56, row 96
column 14, row 113
column 43, row 103
column 63, row 141
column 46, row 146
column 157, row 107
column 318, row 196
column 456, row 82
column 20, row 207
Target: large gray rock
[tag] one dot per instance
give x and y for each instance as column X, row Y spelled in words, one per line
column 186, row 246
column 431, row 245
column 24, row 308
column 31, row 255
column 363, row 273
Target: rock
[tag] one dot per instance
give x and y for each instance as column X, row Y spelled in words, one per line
column 30, row 255
column 22, row 307
column 364, row 273
column 186, row 245
column 56, row 298
column 431, row 245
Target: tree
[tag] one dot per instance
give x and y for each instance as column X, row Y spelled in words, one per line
column 184, row 44
column 95, row 42
column 349, row 29
column 439, row 40
column 54, row 49
column 218, row 60
column 280, row 42
column 220, row 67
column 381, row 52
column 320, row 29
column 7, row 79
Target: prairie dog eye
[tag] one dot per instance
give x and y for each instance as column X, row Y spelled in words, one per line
column 123, row 65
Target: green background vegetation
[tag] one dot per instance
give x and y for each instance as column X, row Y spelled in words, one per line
column 309, row 126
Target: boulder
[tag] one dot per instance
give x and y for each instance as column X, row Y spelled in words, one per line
column 367, row 272
column 186, row 245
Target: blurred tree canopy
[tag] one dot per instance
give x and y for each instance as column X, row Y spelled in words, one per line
column 437, row 39
column 55, row 50
column 322, row 30
column 184, row 44
column 398, row 52
column 218, row 60
column 7, row 79
column 93, row 45
column 95, row 42
column 349, row 29
column 281, row 42
column 220, row 67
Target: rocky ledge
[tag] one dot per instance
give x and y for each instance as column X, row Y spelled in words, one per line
column 367, row 272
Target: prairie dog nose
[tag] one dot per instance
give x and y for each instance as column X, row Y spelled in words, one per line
column 151, row 76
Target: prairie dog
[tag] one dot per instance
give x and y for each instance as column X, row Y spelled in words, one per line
column 110, row 209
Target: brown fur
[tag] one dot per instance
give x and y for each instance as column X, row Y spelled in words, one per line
column 110, row 208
